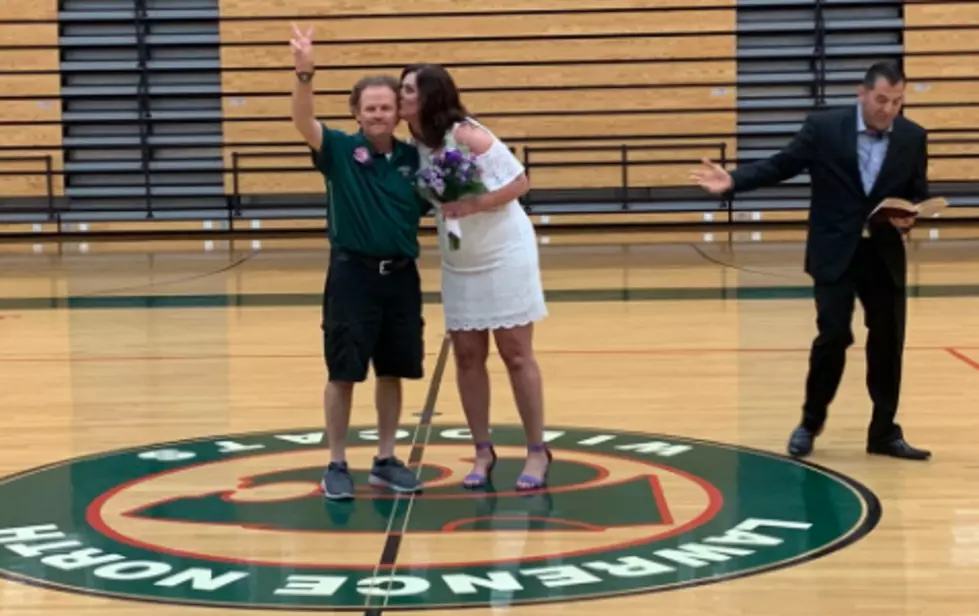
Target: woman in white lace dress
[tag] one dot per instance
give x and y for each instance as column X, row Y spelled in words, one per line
column 492, row 281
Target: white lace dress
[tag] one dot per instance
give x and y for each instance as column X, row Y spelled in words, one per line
column 492, row 281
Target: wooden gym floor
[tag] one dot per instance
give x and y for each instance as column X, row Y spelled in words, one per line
column 677, row 356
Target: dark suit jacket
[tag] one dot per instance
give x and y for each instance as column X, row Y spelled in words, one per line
column 827, row 145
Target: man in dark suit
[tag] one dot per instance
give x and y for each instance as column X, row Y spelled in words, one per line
column 856, row 156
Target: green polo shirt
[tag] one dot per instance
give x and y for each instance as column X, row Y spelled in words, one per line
column 373, row 207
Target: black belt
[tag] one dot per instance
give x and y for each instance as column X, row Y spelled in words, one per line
column 384, row 266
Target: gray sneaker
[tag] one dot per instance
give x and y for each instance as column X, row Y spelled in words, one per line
column 337, row 483
column 392, row 473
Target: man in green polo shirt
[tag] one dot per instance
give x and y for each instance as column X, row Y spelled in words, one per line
column 372, row 305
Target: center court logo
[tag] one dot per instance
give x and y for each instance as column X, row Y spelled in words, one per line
column 238, row 521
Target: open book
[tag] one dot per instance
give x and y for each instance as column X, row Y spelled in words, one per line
column 899, row 208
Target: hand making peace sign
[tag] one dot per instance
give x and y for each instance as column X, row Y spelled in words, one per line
column 302, row 49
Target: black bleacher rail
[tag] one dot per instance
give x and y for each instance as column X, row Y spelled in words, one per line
column 624, row 163
column 625, row 189
column 818, row 64
column 50, row 211
column 620, row 197
column 141, row 26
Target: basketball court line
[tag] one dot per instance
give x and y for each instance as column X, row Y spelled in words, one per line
column 150, row 286
column 297, row 299
column 392, row 540
column 957, row 354
column 25, row 359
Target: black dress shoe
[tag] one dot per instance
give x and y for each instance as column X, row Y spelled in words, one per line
column 800, row 443
column 898, row 448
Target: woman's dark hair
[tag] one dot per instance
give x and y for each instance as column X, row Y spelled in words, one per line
column 439, row 106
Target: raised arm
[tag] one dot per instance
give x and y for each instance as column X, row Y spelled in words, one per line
column 303, row 102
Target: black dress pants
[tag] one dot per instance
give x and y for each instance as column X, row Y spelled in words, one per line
column 885, row 307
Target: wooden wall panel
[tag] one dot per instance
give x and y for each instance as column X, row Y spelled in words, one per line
column 945, row 80
column 278, row 8
column 29, row 88
column 599, row 79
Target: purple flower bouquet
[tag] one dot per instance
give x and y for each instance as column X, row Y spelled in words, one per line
column 452, row 175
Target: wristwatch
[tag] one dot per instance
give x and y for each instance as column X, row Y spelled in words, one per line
column 305, row 76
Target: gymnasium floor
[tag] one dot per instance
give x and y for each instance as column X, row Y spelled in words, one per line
column 162, row 425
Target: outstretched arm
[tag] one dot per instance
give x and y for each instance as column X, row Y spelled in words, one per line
column 785, row 164
column 303, row 103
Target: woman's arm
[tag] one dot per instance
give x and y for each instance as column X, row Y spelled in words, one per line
column 512, row 175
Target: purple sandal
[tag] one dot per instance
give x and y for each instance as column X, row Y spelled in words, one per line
column 479, row 480
column 533, row 483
